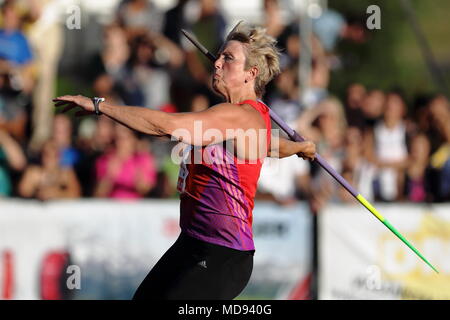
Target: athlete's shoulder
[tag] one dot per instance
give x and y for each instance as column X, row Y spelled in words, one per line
column 242, row 115
column 225, row 105
column 232, row 109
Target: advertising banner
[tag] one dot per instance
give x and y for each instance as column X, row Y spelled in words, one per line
column 359, row 258
column 103, row 249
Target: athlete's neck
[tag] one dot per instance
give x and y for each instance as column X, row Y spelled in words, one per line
column 241, row 95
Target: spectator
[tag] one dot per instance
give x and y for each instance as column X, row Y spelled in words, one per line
column 281, row 179
column 124, row 172
column 13, row 109
column 331, row 26
column 168, row 174
column 210, row 30
column 16, row 80
column 14, row 46
column 113, row 56
column 175, row 19
column 273, row 20
column 95, row 138
column 45, row 24
column 373, row 106
column 143, row 82
column 357, row 169
column 319, row 77
column 12, row 158
column 439, row 110
column 49, row 180
column 153, row 82
column 356, row 93
column 139, row 16
column 284, row 99
column 104, row 87
column 325, row 125
column 416, row 184
column 389, row 148
column 62, row 137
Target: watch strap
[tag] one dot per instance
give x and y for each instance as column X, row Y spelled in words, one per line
column 96, row 101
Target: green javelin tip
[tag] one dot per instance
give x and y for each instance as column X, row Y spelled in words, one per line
column 399, row 235
column 374, row 211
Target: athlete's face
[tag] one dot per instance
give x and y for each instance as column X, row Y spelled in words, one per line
column 229, row 73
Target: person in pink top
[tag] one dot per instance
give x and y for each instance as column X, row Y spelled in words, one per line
column 224, row 146
column 125, row 172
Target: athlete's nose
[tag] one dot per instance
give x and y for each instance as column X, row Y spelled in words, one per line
column 218, row 63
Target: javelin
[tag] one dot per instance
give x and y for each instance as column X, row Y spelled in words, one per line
column 293, row 135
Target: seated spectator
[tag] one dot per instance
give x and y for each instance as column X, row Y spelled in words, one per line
column 49, row 180
column 104, row 87
column 62, row 137
column 168, row 178
column 94, row 138
column 125, row 172
column 12, row 158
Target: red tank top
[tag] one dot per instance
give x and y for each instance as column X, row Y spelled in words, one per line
column 217, row 197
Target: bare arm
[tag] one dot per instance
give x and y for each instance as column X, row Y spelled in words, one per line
column 14, row 154
column 29, row 182
column 305, row 123
column 285, row 148
column 73, row 189
column 213, row 125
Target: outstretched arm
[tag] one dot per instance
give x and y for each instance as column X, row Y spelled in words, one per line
column 216, row 124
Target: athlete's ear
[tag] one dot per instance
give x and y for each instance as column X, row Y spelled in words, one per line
column 252, row 73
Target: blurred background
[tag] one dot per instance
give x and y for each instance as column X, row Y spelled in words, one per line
column 88, row 206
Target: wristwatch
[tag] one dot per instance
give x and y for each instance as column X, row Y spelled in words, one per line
column 96, row 101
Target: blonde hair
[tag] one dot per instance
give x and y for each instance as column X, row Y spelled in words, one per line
column 261, row 51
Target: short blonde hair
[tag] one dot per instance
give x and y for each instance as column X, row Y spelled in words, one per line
column 261, row 51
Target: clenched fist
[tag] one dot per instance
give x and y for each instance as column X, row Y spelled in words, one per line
column 307, row 150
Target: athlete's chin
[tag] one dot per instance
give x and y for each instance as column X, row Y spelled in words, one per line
column 217, row 88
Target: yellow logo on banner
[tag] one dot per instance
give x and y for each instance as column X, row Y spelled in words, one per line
column 402, row 266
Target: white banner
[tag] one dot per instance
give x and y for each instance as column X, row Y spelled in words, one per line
column 114, row 244
column 360, row 258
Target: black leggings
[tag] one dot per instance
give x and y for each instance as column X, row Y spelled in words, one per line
column 194, row 269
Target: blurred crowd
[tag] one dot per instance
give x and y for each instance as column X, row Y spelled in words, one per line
column 389, row 148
